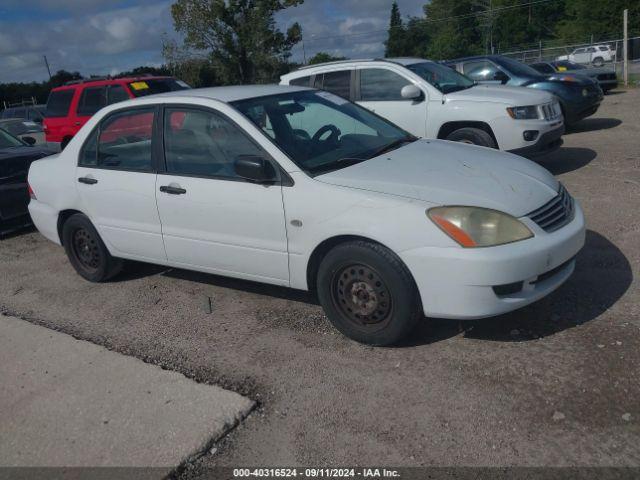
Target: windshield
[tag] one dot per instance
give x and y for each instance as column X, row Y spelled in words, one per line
column 320, row 131
column 517, row 68
column 445, row 79
column 141, row 88
column 8, row 141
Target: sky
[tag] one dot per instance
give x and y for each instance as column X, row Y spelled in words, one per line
column 102, row 37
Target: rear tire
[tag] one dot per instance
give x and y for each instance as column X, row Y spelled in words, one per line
column 368, row 293
column 86, row 250
column 598, row 62
column 474, row 136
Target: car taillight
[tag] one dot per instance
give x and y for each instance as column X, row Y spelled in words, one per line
column 32, row 194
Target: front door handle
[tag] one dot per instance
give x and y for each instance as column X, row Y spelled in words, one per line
column 88, row 180
column 170, row 189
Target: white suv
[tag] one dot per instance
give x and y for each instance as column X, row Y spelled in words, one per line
column 596, row 55
column 432, row 100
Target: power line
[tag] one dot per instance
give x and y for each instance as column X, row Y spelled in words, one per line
column 435, row 20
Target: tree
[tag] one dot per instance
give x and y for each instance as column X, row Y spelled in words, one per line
column 454, row 28
column 603, row 20
column 395, row 44
column 238, row 37
column 323, row 57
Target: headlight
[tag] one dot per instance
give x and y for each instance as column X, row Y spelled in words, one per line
column 478, row 227
column 523, row 113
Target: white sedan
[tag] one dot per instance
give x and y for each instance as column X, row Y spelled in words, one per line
column 301, row 188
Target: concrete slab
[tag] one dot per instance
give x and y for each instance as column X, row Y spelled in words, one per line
column 66, row 402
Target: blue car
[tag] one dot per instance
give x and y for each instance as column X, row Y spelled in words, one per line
column 579, row 96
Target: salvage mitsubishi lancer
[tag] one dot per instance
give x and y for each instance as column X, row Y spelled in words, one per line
column 301, row 188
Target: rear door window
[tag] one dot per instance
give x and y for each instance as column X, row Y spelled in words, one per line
column 338, row 83
column 92, row 100
column 122, row 142
column 116, row 93
column 59, row 102
column 301, row 82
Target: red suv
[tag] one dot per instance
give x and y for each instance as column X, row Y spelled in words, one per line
column 70, row 106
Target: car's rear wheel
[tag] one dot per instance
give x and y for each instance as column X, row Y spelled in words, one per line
column 598, row 62
column 474, row 136
column 86, row 250
column 368, row 293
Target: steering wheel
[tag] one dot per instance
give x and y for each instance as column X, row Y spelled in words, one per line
column 335, row 133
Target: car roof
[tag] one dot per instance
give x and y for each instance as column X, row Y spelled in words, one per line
column 396, row 60
column 108, row 81
column 230, row 93
column 474, row 57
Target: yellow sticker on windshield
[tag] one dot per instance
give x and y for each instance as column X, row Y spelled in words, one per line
column 139, row 85
column 562, row 69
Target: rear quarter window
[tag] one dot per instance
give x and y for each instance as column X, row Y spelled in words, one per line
column 59, row 102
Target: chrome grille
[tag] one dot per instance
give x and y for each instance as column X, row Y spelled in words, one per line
column 556, row 213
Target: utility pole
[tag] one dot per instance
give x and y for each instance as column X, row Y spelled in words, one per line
column 304, row 52
column 47, row 65
column 625, row 47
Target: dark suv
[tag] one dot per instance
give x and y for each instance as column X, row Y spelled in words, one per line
column 579, row 97
column 70, row 106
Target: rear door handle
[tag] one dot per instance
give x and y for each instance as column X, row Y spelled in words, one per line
column 88, row 180
column 170, row 189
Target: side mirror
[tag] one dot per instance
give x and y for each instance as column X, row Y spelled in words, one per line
column 29, row 140
column 501, row 77
column 411, row 92
column 255, row 168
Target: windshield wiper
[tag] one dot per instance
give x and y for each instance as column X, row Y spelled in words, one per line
column 393, row 145
column 334, row 165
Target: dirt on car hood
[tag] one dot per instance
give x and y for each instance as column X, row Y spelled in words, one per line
column 449, row 173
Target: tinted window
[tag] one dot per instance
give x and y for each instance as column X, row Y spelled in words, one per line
column 199, row 142
column 603, row 49
column 124, row 141
column 92, row 100
column 591, row 49
column 480, row 70
column 59, row 102
column 380, row 84
column 116, row 93
column 34, row 114
column 543, row 67
column 302, row 81
column 142, row 88
column 580, row 50
column 445, row 79
column 338, row 83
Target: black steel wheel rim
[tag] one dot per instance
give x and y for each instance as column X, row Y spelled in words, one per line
column 360, row 294
column 85, row 249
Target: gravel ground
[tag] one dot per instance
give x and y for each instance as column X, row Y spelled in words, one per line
column 556, row 383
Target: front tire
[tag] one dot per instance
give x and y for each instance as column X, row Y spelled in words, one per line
column 598, row 62
column 474, row 136
column 368, row 293
column 86, row 250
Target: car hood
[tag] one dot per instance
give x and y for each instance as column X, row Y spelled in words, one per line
column 515, row 96
column 449, row 173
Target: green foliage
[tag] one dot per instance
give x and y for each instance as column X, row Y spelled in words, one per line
column 238, row 37
column 323, row 57
column 395, row 44
column 602, row 19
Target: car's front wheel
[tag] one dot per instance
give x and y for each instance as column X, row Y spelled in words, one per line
column 368, row 293
column 474, row 136
column 598, row 62
column 86, row 250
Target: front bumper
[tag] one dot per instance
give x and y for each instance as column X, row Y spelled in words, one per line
column 459, row 283
column 546, row 143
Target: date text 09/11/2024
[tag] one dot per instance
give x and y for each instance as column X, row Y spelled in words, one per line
column 316, row 472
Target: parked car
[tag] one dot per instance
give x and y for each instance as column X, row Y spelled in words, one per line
column 430, row 100
column 33, row 113
column 26, row 130
column 579, row 97
column 15, row 158
column 596, row 55
column 70, row 106
column 606, row 77
column 304, row 189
